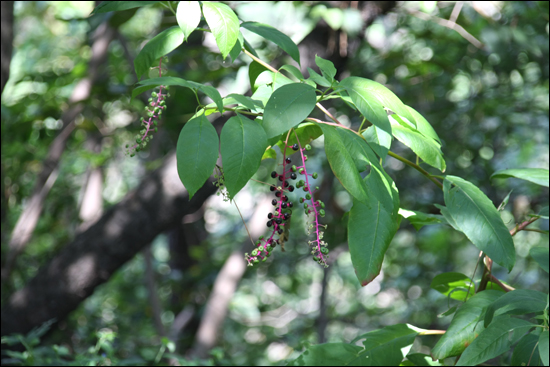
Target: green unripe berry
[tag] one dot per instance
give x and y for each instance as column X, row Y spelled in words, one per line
column 315, row 258
column 305, row 157
column 301, row 171
column 305, row 206
column 269, row 248
column 261, row 248
column 315, row 175
column 256, row 261
column 255, row 252
column 261, row 237
column 324, row 250
column 301, row 200
column 154, row 94
column 308, row 196
column 308, row 147
column 322, row 213
column 293, row 168
column 264, row 259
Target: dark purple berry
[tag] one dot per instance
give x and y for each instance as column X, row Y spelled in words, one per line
column 295, row 147
column 286, row 184
column 291, row 188
column 280, row 177
column 278, row 194
column 280, row 231
column 288, row 160
column 270, row 215
column 293, row 176
column 269, row 223
column 290, row 205
column 287, row 216
column 273, row 174
column 285, row 198
column 278, row 221
column 284, row 205
column 274, row 202
column 272, row 188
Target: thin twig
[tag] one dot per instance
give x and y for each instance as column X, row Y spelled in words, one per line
column 247, row 231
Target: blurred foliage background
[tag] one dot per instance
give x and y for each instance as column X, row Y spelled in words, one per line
column 489, row 105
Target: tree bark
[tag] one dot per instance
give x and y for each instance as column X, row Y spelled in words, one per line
column 159, row 203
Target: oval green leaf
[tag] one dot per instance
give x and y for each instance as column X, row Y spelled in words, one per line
column 162, row 44
column 526, row 352
column 275, row 36
column 495, row 340
column 454, row 285
column 224, row 25
column 517, row 302
column 378, row 139
column 196, row 153
column 543, row 347
column 188, row 15
column 342, row 164
column 426, row 148
column 243, row 144
column 424, row 126
column 476, row 216
column 371, row 227
column 465, row 326
column 326, row 67
column 287, row 107
column 539, row 176
column 328, row 354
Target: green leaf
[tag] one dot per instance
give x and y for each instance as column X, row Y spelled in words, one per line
column 426, row 148
column 343, row 166
column 162, row 44
column 306, row 132
column 318, row 79
column 248, row 47
column 245, row 101
column 367, row 102
column 526, row 352
column 454, row 285
column 378, row 139
column 275, row 36
column 465, row 326
column 169, row 80
column 254, row 70
column 540, row 255
column 495, row 340
column 224, row 25
column 196, row 153
column 237, row 49
column 188, row 15
column 287, row 107
column 329, row 354
column 424, row 126
column 517, row 302
column 387, row 346
column 243, row 144
column 371, row 226
column 108, row 6
column 502, row 205
column 269, row 153
column 326, row 67
column 293, row 70
column 361, row 153
column 543, row 347
column 419, row 359
column 476, row 216
column 447, row 215
column 419, row 219
column 539, row 176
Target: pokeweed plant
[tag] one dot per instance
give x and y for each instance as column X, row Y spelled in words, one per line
column 485, row 324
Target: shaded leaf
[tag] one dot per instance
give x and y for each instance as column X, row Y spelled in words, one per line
column 378, row 139
column 287, row 107
column 162, row 44
column 326, row 67
column 318, row 79
column 495, row 340
column 526, row 352
column 196, row 153
column 423, row 125
column 465, row 326
column 543, row 347
column 517, row 302
column 419, row 219
column 476, row 216
column 275, row 36
column 108, row 6
column 243, row 144
column 329, row 354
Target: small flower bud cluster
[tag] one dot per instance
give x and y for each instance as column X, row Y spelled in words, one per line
column 156, row 104
column 319, row 248
column 279, row 220
column 220, row 184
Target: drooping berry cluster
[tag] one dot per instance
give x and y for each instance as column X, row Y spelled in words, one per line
column 153, row 110
column 319, row 248
column 279, row 220
column 220, row 183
